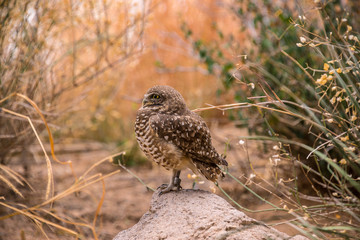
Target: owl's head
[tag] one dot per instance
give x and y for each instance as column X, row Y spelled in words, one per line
column 164, row 99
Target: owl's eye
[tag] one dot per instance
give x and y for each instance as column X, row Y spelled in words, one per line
column 155, row 96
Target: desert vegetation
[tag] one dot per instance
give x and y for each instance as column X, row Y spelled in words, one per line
column 282, row 77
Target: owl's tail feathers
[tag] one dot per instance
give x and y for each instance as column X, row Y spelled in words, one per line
column 222, row 160
column 209, row 170
column 224, row 163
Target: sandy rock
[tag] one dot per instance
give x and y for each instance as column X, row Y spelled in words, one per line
column 197, row 214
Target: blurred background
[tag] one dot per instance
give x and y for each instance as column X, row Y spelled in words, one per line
column 284, row 76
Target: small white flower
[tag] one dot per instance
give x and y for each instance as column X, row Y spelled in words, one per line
column 252, row 85
column 252, row 175
column 299, row 45
column 351, row 37
column 276, row 147
column 302, row 39
column 241, row 142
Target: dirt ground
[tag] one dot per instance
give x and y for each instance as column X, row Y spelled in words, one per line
column 126, row 199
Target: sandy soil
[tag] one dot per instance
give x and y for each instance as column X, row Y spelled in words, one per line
column 126, row 199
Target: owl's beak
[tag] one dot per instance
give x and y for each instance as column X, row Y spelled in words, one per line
column 145, row 102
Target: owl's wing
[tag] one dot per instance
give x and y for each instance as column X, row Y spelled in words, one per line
column 189, row 133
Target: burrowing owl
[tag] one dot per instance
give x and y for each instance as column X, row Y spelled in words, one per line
column 175, row 137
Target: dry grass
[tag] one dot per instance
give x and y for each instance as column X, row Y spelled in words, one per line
column 44, row 208
column 51, row 51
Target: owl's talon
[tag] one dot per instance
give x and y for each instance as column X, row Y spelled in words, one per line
column 165, row 188
column 162, row 186
column 168, row 188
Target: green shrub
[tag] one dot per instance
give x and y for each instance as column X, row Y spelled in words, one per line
column 303, row 78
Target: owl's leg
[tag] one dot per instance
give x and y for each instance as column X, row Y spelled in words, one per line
column 174, row 182
column 177, row 180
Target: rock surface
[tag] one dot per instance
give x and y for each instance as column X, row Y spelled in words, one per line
column 197, row 214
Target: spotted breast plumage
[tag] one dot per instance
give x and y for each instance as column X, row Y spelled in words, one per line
column 175, row 137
